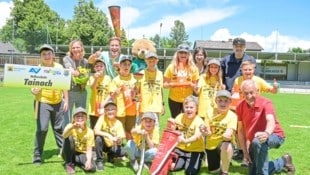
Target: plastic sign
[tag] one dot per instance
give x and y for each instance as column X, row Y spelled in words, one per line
column 16, row 75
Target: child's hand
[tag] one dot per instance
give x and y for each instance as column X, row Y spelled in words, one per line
column 35, row 90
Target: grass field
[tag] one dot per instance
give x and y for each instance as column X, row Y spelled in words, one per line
column 18, row 127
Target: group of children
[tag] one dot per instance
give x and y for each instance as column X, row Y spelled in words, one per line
column 124, row 114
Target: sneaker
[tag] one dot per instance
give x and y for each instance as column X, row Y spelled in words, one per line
column 238, row 154
column 70, row 168
column 215, row 171
column 37, row 160
column 100, row 166
column 244, row 163
column 222, row 173
column 134, row 164
column 289, row 164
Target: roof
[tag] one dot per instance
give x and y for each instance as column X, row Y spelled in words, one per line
column 225, row 45
column 7, row 48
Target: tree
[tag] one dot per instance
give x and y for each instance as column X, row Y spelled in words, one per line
column 89, row 24
column 178, row 34
column 32, row 23
column 296, row 50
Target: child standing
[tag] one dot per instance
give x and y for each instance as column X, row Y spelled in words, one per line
column 208, row 85
column 151, row 88
column 99, row 84
column 180, row 77
column 122, row 90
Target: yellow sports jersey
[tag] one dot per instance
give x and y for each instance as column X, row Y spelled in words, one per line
column 262, row 85
column 98, row 95
column 50, row 96
column 154, row 137
column 188, row 127
column 179, row 94
column 207, row 89
column 124, row 100
column 151, row 91
column 83, row 139
column 113, row 127
column 218, row 125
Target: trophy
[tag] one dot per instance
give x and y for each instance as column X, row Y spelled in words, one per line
column 115, row 17
column 138, row 76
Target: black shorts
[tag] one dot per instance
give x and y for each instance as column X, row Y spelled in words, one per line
column 214, row 158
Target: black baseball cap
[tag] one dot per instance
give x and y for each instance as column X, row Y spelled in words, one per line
column 239, row 41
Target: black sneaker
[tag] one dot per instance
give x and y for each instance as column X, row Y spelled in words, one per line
column 100, row 166
column 238, row 154
column 37, row 160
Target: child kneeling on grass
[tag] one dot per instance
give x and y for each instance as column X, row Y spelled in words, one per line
column 150, row 132
column 78, row 143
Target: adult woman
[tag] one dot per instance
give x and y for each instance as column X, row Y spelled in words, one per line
column 75, row 62
column 180, row 76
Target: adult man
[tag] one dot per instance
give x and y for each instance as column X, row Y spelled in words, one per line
column 259, row 130
column 231, row 63
column 110, row 58
column 50, row 105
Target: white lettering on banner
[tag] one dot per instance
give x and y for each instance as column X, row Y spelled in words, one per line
column 274, row 70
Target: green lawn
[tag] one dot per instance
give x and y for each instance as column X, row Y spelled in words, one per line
column 18, row 127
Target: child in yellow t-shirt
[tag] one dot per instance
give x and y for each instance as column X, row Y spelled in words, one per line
column 190, row 148
column 208, row 85
column 151, row 88
column 248, row 69
column 150, row 132
column 99, row 84
column 221, row 137
column 78, row 143
column 123, row 93
column 109, row 135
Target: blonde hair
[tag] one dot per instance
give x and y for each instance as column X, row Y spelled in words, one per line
column 189, row 99
column 71, row 44
column 190, row 64
column 115, row 38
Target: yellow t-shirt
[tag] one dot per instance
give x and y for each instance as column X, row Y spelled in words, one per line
column 151, row 91
column 154, row 137
column 83, row 139
column 178, row 94
column 262, row 85
column 51, row 96
column 189, row 128
column 124, row 100
column 218, row 125
column 113, row 127
column 98, row 95
column 207, row 92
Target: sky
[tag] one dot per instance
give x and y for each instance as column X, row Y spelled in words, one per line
column 276, row 25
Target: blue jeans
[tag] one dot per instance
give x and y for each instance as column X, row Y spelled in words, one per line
column 134, row 152
column 259, row 156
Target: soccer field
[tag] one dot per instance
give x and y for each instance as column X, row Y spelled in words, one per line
column 18, row 127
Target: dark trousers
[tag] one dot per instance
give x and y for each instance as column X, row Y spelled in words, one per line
column 114, row 151
column 175, row 108
column 48, row 113
column 190, row 161
column 71, row 156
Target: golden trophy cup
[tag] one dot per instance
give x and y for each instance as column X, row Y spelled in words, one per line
column 138, row 76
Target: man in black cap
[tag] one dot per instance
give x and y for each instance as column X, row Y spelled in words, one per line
column 231, row 70
column 231, row 63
